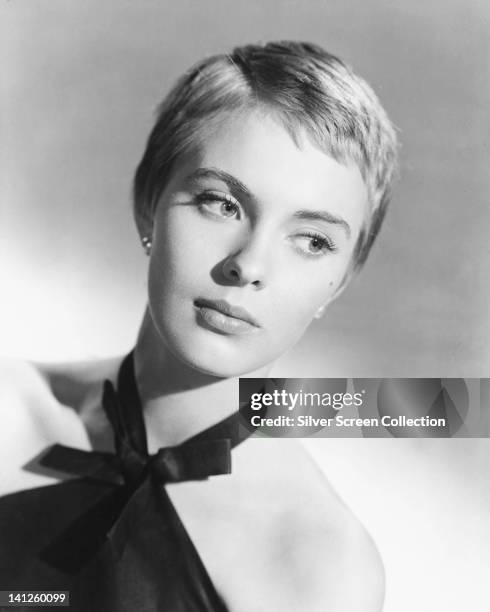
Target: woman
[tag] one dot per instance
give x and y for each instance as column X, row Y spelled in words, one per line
column 263, row 185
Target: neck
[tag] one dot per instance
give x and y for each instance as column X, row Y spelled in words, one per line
column 179, row 401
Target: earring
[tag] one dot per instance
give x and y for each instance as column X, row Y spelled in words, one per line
column 146, row 242
column 320, row 312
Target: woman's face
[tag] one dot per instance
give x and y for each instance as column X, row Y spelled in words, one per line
column 252, row 237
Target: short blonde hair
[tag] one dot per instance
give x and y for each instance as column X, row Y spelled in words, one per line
column 306, row 88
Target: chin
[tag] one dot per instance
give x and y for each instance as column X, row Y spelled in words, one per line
column 220, row 356
column 218, row 370
column 224, row 366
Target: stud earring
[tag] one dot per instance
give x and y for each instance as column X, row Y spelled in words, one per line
column 146, row 242
column 320, row 312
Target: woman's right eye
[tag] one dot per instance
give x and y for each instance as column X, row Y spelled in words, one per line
column 221, row 205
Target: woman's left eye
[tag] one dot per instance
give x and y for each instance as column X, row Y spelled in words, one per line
column 314, row 245
column 221, row 205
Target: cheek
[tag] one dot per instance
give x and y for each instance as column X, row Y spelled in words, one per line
column 308, row 290
column 181, row 253
column 297, row 314
column 291, row 314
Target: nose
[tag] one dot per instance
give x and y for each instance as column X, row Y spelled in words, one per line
column 246, row 266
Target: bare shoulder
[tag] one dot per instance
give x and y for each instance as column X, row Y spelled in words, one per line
column 40, row 405
column 26, row 400
column 333, row 562
column 317, row 555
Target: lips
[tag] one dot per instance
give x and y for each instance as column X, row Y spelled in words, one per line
column 225, row 318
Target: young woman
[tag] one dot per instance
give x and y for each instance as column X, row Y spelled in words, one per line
column 263, row 185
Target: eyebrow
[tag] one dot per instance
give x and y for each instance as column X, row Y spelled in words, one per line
column 321, row 215
column 236, row 185
column 232, row 182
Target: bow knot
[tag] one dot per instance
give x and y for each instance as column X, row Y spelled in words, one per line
column 138, row 477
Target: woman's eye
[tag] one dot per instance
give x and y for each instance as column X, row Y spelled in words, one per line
column 219, row 204
column 228, row 209
column 313, row 245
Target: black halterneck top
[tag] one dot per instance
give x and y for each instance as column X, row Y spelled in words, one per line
column 112, row 536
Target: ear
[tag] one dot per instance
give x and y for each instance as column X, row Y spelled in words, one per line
column 144, row 225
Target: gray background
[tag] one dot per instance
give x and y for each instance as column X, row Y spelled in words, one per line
column 80, row 81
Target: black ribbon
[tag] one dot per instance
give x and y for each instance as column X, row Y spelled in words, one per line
column 136, row 499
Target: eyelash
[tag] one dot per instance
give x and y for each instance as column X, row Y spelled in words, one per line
column 204, row 198
column 326, row 244
column 217, row 198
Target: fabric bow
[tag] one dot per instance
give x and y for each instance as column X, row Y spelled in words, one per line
column 137, row 495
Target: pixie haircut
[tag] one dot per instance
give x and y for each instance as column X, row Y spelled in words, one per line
column 309, row 90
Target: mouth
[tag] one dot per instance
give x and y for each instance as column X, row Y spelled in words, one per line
column 225, row 318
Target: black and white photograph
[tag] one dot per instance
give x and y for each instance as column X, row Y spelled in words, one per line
column 210, row 213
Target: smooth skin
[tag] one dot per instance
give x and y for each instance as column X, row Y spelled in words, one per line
column 253, row 218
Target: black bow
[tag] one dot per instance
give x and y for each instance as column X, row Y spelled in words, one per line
column 137, row 495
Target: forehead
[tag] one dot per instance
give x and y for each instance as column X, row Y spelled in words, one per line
column 280, row 171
